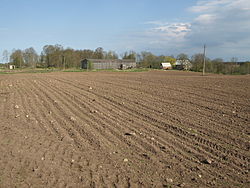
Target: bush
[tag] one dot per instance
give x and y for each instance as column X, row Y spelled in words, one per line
column 90, row 65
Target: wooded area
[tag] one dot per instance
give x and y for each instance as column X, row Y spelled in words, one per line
column 55, row 56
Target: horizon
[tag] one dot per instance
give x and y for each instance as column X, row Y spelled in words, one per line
column 162, row 27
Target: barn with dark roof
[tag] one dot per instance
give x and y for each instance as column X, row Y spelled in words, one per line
column 108, row 63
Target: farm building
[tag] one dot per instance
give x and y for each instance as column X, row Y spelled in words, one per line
column 183, row 65
column 12, row 67
column 107, row 64
column 166, row 65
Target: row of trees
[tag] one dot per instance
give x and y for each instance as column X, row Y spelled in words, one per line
column 54, row 56
column 217, row 65
column 57, row 57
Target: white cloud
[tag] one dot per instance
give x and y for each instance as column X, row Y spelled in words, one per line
column 205, row 18
column 173, row 30
column 224, row 25
column 209, row 5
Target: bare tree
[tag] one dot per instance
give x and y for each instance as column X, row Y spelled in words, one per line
column 17, row 58
column 5, row 57
column 30, row 57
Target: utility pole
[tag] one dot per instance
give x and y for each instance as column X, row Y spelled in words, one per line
column 204, row 61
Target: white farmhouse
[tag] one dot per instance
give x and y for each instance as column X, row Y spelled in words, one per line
column 183, row 65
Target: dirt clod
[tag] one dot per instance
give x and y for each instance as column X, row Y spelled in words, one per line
column 207, row 161
column 145, row 156
column 169, row 180
column 181, row 184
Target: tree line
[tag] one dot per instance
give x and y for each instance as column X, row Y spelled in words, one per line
column 55, row 56
column 217, row 65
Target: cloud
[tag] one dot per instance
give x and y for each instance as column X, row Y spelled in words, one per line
column 209, row 5
column 173, row 30
column 158, row 37
column 221, row 25
column 224, row 25
column 205, row 19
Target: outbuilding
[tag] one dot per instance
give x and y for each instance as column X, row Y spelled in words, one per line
column 11, row 67
column 108, row 63
column 166, row 65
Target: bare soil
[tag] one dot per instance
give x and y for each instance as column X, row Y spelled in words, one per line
column 124, row 129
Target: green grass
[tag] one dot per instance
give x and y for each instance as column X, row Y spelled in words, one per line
column 2, row 72
column 126, row 70
column 75, row 70
column 108, row 70
column 137, row 70
column 18, row 71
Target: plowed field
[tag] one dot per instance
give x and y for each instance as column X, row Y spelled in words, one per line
column 124, row 129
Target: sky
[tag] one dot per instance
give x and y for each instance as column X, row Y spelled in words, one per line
column 163, row 27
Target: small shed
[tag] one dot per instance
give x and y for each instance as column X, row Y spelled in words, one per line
column 108, row 63
column 11, row 67
column 166, row 65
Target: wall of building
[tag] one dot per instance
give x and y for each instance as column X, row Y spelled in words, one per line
column 107, row 63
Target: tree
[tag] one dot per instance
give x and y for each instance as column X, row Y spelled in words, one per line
column 217, row 65
column 53, row 55
column 30, row 57
column 42, row 61
column 5, row 56
column 48, row 50
column 17, row 58
column 99, row 53
column 182, row 56
column 70, row 58
column 244, row 68
column 149, row 60
column 111, row 55
column 234, row 60
column 170, row 59
column 129, row 55
column 197, row 62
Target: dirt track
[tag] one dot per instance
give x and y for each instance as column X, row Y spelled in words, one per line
column 113, row 129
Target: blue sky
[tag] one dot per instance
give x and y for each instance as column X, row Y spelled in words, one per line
column 167, row 27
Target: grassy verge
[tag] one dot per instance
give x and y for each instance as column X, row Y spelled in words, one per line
column 108, row 70
column 18, row 71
